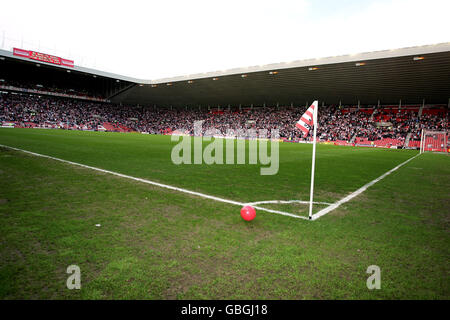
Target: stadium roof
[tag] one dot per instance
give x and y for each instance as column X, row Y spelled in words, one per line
column 408, row 74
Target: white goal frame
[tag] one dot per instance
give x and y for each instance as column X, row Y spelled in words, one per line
column 424, row 147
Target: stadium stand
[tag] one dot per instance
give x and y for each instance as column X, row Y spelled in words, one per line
column 364, row 126
column 37, row 94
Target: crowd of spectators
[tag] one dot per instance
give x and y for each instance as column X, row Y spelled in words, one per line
column 336, row 123
column 435, row 122
column 40, row 111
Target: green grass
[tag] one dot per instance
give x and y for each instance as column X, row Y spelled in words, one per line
column 150, row 157
column 159, row 244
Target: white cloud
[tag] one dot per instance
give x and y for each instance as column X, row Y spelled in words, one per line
column 155, row 39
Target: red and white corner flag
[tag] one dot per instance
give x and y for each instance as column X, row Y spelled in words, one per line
column 306, row 122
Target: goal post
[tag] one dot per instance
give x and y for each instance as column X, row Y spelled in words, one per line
column 434, row 141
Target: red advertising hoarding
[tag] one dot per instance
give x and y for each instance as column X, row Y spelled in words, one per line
column 43, row 57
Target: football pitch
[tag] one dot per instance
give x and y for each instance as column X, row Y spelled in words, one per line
column 157, row 243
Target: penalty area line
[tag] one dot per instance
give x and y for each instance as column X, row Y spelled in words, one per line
column 161, row 185
column 358, row 192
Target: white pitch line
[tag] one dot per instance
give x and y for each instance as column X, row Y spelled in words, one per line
column 285, row 202
column 157, row 183
column 357, row 192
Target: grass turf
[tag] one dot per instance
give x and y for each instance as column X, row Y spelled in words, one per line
column 158, row 244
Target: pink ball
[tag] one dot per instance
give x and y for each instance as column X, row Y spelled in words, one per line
column 248, row 213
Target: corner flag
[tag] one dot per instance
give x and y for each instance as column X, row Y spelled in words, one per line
column 306, row 122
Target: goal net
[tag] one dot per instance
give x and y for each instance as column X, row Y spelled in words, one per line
column 434, row 141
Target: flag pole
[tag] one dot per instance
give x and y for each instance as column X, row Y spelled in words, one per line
column 311, row 195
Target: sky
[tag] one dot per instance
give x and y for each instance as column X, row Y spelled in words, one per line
column 155, row 39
